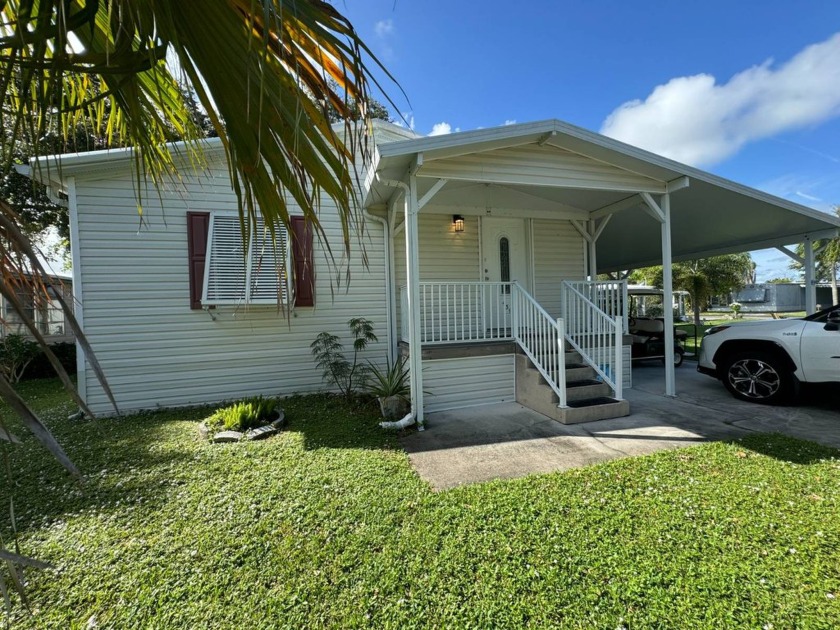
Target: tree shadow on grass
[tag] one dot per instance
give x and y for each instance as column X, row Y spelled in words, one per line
column 331, row 421
column 142, row 459
column 788, row 449
column 123, row 461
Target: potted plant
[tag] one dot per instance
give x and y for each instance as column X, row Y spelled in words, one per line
column 391, row 388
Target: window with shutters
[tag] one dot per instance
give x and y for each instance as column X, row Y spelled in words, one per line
column 233, row 276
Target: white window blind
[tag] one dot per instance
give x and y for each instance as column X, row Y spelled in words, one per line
column 231, row 277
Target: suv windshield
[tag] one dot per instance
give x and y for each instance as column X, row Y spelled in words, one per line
column 821, row 316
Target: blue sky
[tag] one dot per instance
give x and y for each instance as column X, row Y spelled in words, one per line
column 746, row 90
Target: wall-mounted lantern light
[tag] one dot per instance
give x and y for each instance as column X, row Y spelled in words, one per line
column 458, row 222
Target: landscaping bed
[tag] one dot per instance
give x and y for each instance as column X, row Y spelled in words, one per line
column 326, row 524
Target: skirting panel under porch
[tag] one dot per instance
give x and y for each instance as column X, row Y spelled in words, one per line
column 468, row 381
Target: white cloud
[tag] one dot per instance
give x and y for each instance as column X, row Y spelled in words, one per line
column 405, row 119
column 510, row 121
column 441, row 129
column 799, row 193
column 696, row 120
column 383, row 28
column 796, row 187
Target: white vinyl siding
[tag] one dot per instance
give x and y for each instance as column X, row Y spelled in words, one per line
column 539, row 166
column 154, row 349
column 558, row 254
column 445, row 255
column 468, row 382
column 228, row 270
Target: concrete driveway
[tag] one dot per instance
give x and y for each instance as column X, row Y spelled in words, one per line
column 503, row 441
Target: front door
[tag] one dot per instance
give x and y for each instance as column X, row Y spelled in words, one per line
column 504, row 260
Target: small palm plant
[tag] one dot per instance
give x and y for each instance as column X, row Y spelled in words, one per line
column 391, row 386
column 393, row 381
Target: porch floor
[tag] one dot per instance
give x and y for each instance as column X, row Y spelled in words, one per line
column 503, row 441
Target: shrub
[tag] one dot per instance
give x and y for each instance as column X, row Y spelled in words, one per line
column 16, row 352
column 654, row 310
column 393, row 381
column 42, row 368
column 241, row 416
column 336, row 369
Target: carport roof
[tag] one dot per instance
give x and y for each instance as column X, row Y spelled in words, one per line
column 524, row 164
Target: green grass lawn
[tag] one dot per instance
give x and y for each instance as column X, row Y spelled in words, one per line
column 327, row 525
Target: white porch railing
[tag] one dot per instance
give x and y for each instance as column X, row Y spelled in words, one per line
column 461, row 312
column 542, row 339
column 610, row 296
column 596, row 335
column 468, row 312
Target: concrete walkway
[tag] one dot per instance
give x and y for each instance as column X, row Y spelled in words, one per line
column 503, row 441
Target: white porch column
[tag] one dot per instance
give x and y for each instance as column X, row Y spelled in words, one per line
column 662, row 213
column 592, row 254
column 810, row 277
column 412, row 266
column 809, row 267
column 668, row 297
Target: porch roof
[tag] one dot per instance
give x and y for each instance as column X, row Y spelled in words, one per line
column 554, row 169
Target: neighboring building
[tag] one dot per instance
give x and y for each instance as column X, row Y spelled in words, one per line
column 42, row 309
column 774, row 298
column 476, row 244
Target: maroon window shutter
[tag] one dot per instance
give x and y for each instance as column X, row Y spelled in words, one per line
column 304, row 272
column 198, row 225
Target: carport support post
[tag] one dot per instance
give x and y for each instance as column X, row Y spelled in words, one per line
column 810, row 277
column 412, row 266
column 668, row 297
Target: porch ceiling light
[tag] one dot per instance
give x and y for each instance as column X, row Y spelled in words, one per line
column 458, row 222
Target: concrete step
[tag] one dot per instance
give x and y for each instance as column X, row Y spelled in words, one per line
column 587, row 399
column 585, row 390
column 579, row 373
column 570, row 357
column 591, row 410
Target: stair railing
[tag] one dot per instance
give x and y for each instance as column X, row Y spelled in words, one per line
column 542, row 339
column 608, row 295
column 596, row 336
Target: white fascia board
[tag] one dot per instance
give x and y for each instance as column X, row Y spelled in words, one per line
column 469, row 141
column 472, row 141
column 736, row 248
column 689, row 171
column 57, row 167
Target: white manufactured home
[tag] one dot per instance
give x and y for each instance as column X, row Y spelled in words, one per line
column 482, row 253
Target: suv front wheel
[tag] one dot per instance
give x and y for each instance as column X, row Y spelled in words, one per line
column 758, row 377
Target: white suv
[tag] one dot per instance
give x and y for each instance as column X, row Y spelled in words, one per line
column 764, row 361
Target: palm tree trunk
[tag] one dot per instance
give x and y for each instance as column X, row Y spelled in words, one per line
column 695, row 305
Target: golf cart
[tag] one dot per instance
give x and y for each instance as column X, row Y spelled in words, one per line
column 648, row 335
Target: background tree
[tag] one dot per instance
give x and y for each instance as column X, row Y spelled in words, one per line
column 252, row 66
column 703, row 278
column 827, row 258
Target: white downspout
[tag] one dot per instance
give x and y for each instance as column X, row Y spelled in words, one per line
column 411, row 417
column 389, row 306
column 393, row 294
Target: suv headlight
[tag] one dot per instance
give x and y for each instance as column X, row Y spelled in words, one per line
column 716, row 329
